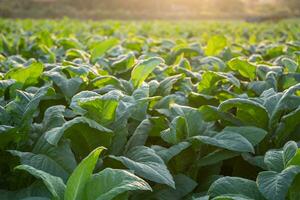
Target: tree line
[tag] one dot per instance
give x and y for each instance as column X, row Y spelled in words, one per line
column 140, row 8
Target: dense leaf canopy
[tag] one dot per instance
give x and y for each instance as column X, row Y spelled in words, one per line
column 149, row 110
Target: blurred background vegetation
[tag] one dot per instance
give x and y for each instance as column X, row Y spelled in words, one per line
column 252, row 10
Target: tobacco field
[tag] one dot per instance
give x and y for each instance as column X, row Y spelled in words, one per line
column 149, row 110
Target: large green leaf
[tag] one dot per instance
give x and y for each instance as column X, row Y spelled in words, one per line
column 100, row 48
column 54, row 184
column 212, row 63
column 187, row 122
column 53, row 117
column 25, row 105
column 100, row 110
column 277, row 160
column 85, row 135
column 289, row 65
column 227, row 140
column 109, row 183
column 248, row 111
column 275, row 185
column 210, row 81
column 55, row 160
column 26, row 75
column 290, row 151
column 81, row 96
column 253, row 134
column 147, row 164
column 235, row 186
column 274, row 160
column 143, row 69
column 215, row 45
column 124, row 63
column 193, row 119
column 76, row 184
column 245, row 68
column 68, row 86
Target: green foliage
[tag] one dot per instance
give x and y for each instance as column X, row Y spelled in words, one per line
column 184, row 110
column 215, row 45
column 112, row 183
column 143, row 69
column 54, row 184
column 81, row 175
